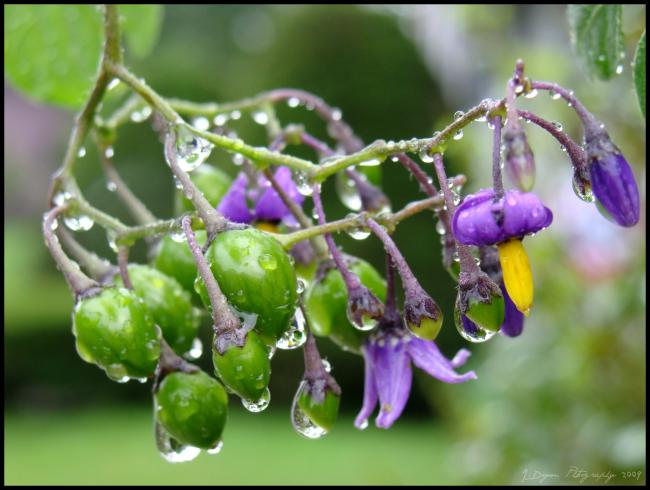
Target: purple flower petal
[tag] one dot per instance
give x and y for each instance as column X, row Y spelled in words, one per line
column 369, row 387
column 269, row 206
column 460, row 358
column 513, row 323
column 475, row 220
column 234, row 205
column 427, row 356
column 393, row 378
column 613, row 184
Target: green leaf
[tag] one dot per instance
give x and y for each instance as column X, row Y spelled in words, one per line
column 639, row 72
column 141, row 27
column 52, row 52
column 597, row 38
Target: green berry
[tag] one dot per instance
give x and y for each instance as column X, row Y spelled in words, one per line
column 326, row 303
column 168, row 303
column 245, row 370
column 256, row 276
column 114, row 331
column 192, row 407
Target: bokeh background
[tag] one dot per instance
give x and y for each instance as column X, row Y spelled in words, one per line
column 567, row 398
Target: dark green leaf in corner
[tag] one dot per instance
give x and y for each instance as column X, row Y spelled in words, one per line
column 52, row 52
column 639, row 73
column 141, row 27
column 597, row 38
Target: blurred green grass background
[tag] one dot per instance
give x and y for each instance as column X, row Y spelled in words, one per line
column 569, row 392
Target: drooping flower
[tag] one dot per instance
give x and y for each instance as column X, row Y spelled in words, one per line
column 246, row 202
column 482, row 220
column 388, row 354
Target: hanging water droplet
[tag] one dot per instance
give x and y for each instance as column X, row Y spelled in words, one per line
column 367, row 322
column 458, row 135
column 394, row 159
column 109, row 152
column 519, row 88
column 296, row 336
column 347, row 192
column 54, row 225
column 267, row 262
column 490, row 124
column 531, row 94
column 582, row 190
column 191, row 150
column 554, row 95
column 619, row 69
column 425, row 156
column 111, row 186
column 201, row 123
column 310, row 106
column 220, row 119
column 303, row 184
column 302, row 423
column 563, row 148
column 235, row 115
column 440, row 228
column 79, row 222
column 82, row 152
column 271, row 351
column 61, row 198
column 337, row 114
column 363, row 425
column 117, row 372
column 216, row 449
column 458, row 115
column 470, row 331
column 196, row 350
column 110, row 238
column 557, row 125
column 293, row 102
column 357, row 232
column 178, row 236
column 238, row 159
column 258, row 405
column 260, row 117
column 482, row 118
column 141, row 115
column 172, row 450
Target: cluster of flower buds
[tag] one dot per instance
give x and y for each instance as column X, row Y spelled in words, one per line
column 143, row 322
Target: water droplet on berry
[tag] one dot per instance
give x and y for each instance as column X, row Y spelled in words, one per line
column 172, row 450
column 267, row 262
column 294, row 337
column 258, row 405
column 216, row 449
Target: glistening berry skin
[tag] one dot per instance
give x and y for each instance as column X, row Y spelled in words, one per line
column 613, row 184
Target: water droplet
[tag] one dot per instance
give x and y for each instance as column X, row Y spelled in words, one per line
column 301, row 422
column 216, row 449
column 109, row 152
column 110, row 237
column 82, row 152
column 220, row 119
column 371, row 163
column 267, row 262
column 470, row 331
column 531, row 94
column 557, row 125
column 293, row 101
column 271, row 351
column 303, row 184
column 326, row 365
column 172, row 450
column 196, row 350
column 238, row 159
column 80, row 222
column 582, row 190
column 554, row 95
column 490, row 124
column 258, row 405
column 117, row 372
column 113, row 83
column 347, row 192
column 367, row 322
column 235, row 115
column 178, row 237
column 111, row 186
column 519, row 88
column 54, row 225
column 619, row 69
column 294, row 337
column 191, row 150
column 337, row 114
column 458, row 135
column 141, row 115
column 440, row 228
column 201, row 123
column 363, row 425
column 458, row 115
column 425, row 156
column 61, row 198
column 394, row 159
column 357, row 232
column 260, row 117
column 300, row 286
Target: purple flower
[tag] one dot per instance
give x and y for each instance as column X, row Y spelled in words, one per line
column 513, row 323
column 388, row 354
column 613, row 184
column 244, row 203
column 479, row 220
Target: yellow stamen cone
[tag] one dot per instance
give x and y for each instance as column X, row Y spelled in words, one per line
column 266, row 226
column 517, row 276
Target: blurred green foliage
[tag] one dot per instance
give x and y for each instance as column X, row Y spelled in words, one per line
column 569, row 391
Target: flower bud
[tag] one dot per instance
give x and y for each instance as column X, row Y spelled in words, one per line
column 364, row 308
column 519, row 159
column 612, row 179
column 192, row 407
column 422, row 314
